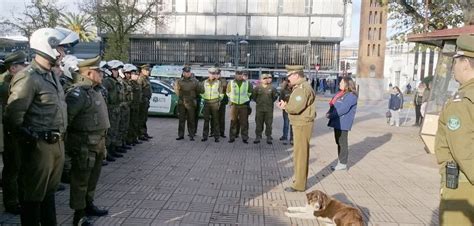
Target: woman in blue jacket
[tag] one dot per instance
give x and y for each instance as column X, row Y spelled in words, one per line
column 341, row 116
column 395, row 105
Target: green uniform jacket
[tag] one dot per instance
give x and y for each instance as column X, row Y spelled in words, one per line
column 37, row 100
column 264, row 97
column 187, row 90
column 455, row 136
column 300, row 107
column 146, row 87
column 136, row 92
column 112, row 86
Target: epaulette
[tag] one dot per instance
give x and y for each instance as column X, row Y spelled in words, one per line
column 458, row 96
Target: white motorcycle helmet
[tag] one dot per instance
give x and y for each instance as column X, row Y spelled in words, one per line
column 129, row 68
column 104, row 67
column 44, row 41
column 115, row 64
column 69, row 64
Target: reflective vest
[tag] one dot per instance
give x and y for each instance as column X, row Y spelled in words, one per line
column 211, row 91
column 239, row 94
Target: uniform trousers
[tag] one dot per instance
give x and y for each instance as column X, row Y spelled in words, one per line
column 301, row 137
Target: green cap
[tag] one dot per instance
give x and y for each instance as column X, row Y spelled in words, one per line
column 465, row 44
column 293, row 69
column 89, row 64
column 17, row 57
column 145, row 66
column 186, row 68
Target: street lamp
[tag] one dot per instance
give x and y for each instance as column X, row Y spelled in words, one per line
column 236, row 42
column 248, row 59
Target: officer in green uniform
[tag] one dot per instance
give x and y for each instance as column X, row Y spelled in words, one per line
column 455, row 140
column 88, row 122
column 223, row 104
column 14, row 62
column 36, row 111
column 131, row 74
column 146, row 96
column 212, row 95
column 264, row 96
column 114, row 97
column 125, row 112
column 301, row 111
column 239, row 92
column 187, row 89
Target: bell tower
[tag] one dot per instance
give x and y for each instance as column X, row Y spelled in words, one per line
column 372, row 41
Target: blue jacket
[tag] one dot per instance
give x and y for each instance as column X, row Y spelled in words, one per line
column 395, row 102
column 341, row 115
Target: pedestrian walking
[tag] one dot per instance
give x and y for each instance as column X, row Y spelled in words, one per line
column 453, row 146
column 395, row 105
column 239, row 92
column 211, row 93
column 301, row 111
column 341, row 114
column 187, row 89
column 418, row 101
column 264, row 96
column 88, row 122
column 14, row 63
column 36, row 111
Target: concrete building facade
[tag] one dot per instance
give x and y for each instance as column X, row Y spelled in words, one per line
column 253, row 33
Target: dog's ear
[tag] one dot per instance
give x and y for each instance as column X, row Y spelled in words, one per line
column 308, row 197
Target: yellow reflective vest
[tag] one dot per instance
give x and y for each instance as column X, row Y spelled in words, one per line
column 239, row 94
column 211, row 91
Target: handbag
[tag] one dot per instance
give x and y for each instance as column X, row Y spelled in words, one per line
column 388, row 114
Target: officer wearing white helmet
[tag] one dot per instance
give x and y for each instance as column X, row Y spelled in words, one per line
column 69, row 71
column 36, row 111
column 113, row 100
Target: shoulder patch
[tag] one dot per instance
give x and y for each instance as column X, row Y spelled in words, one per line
column 454, row 123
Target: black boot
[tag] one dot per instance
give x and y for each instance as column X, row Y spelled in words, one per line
column 112, row 152
column 126, row 147
column 92, row 210
column 30, row 213
column 120, row 150
column 80, row 219
column 48, row 210
column 143, row 138
column 109, row 158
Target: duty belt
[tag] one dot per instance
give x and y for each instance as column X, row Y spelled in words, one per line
column 51, row 137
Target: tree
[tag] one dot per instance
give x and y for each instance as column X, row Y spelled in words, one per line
column 82, row 24
column 416, row 16
column 37, row 14
column 118, row 19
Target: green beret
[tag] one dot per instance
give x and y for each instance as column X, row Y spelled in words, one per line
column 89, row 64
column 17, row 57
column 294, row 69
column 465, row 44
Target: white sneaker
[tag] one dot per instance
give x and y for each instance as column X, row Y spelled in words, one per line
column 340, row 166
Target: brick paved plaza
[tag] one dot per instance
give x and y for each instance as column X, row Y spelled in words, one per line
column 167, row 182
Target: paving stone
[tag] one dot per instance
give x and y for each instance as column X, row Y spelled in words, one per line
column 197, row 217
column 151, row 204
column 175, row 205
column 223, row 208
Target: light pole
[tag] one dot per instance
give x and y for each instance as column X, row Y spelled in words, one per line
column 248, row 59
column 236, row 42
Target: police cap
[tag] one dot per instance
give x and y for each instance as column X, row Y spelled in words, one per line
column 17, row 57
column 465, row 44
column 265, row 75
column 145, row 67
column 89, row 64
column 292, row 69
column 213, row 70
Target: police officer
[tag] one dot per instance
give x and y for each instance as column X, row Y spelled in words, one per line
column 239, row 92
column 114, row 95
column 131, row 75
column 88, row 122
column 212, row 94
column 37, row 112
column 301, row 111
column 187, row 89
column 285, row 93
column 146, row 96
column 126, row 101
column 69, row 71
column 264, row 96
column 223, row 104
column 14, row 63
column 454, row 138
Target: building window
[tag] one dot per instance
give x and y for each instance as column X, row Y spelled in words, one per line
column 375, row 17
column 371, row 2
column 380, row 34
column 368, row 50
column 369, row 36
column 370, row 17
column 373, row 50
column 378, row 50
column 381, row 13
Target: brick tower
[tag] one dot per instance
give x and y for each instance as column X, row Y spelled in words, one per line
column 372, row 41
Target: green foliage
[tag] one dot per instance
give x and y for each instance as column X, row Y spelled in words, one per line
column 117, row 47
column 81, row 24
column 409, row 16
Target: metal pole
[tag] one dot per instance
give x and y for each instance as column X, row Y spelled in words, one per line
column 237, row 54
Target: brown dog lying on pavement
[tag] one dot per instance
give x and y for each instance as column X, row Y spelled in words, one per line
column 321, row 205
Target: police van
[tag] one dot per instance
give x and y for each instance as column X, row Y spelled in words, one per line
column 164, row 100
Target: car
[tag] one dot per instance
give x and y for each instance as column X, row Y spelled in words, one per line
column 164, row 100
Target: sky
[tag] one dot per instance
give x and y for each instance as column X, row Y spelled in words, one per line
column 7, row 7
